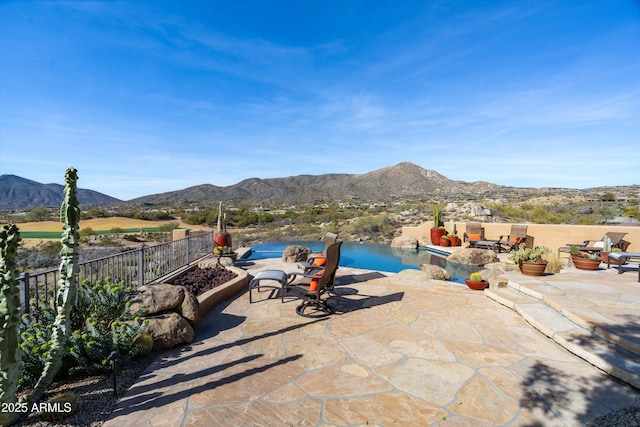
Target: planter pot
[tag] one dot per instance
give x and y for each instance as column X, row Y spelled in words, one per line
column 222, row 239
column 444, row 241
column 436, row 235
column 604, row 257
column 476, row 286
column 585, row 263
column 454, row 240
column 533, row 268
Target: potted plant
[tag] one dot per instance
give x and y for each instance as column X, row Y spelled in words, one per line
column 476, row 282
column 453, row 239
column 222, row 243
column 444, row 241
column 438, row 230
column 532, row 261
column 583, row 260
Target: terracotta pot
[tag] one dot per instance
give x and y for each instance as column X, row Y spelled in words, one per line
column 476, row 286
column 454, row 240
column 444, row 241
column 222, row 239
column 585, row 263
column 533, row 268
column 436, row 235
column 604, row 255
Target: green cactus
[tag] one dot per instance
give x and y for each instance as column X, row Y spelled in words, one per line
column 10, row 361
column 475, row 277
column 67, row 284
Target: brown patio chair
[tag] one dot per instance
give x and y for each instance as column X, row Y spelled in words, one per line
column 312, row 286
column 516, row 237
column 318, row 261
column 597, row 246
column 473, row 233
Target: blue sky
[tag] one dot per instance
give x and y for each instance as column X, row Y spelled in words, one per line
column 144, row 97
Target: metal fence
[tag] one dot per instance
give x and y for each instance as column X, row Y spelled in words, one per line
column 135, row 267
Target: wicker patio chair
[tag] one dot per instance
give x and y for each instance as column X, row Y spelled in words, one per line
column 473, row 234
column 597, row 246
column 313, row 287
column 318, row 260
column 516, row 237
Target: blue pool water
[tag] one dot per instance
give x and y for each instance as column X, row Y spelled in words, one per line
column 370, row 256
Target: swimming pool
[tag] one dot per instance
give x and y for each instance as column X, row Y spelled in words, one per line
column 371, row 256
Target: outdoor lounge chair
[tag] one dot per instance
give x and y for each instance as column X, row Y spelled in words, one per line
column 317, row 261
column 473, row 234
column 516, row 237
column 312, row 286
column 597, row 246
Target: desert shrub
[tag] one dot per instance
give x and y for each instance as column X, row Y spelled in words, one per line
column 116, row 230
column 168, row 228
column 87, row 231
column 101, row 322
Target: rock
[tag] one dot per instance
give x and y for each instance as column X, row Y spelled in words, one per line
column 434, row 272
column 169, row 330
column 502, row 266
column 405, row 242
column 473, row 256
column 295, row 253
column 190, row 308
column 157, row 298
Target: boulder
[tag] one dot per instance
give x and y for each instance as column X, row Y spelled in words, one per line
column 295, row 253
column 405, row 242
column 502, row 266
column 157, row 298
column 473, row 256
column 169, row 330
column 190, row 308
column 429, row 271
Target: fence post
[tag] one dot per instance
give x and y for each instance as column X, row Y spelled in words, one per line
column 187, row 249
column 23, row 285
column 141, row 266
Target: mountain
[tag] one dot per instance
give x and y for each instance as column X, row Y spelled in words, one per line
column 399, row 182
column 21, row 193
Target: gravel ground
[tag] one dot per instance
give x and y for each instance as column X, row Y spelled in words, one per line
column 96, row 399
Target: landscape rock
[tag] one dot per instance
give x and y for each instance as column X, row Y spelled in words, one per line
column 157, row 298
column 502, row 266
column 429, row 271
column 405, row 242
column 295, row 253
column 169, row 330
column 190, row 308
column 473, row 256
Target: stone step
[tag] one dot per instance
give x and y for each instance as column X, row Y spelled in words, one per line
column 611, row 333
column 604, row 354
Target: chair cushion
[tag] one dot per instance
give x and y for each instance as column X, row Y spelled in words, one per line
column 475, row 236
column 319, row 260
column 313, row 286
column 514, row 239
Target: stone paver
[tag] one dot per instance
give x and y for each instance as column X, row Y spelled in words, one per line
column 399, row 351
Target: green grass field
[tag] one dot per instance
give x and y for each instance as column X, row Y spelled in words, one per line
column 58, row 234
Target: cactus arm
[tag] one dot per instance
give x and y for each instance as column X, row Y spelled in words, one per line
column 67, row 284
column 10, row 361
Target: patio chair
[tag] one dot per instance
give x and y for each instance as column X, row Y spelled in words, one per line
column 597, row 246
column 473, row 234
column 318, row 261
column 312, row 286
column 516, row 237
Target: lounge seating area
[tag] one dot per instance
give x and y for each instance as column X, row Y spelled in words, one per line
column 311, row 286
column 475, row 237
column 596, row 246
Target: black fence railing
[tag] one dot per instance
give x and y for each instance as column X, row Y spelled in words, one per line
column 135, row 267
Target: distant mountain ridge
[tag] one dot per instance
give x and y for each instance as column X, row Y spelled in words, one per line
column 402, row 181
column 21, row 193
